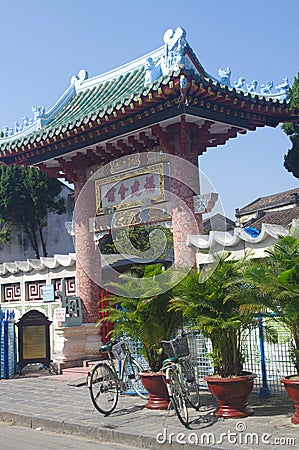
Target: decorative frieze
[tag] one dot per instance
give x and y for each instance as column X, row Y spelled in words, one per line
column 34, row 290
column 11, row 292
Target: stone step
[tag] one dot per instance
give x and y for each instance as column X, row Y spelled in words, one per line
column 75, row 376
column 76, row 370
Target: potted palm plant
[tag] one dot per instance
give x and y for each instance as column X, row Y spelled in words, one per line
column 215, row 307
column 141, row 310
column 279, row 280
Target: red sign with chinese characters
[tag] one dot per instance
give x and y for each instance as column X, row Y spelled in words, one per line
column 130, row 189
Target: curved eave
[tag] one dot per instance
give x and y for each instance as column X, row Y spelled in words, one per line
column 97, row 123
column 34, row 265
column 206, row 98
column 227, row 239
column 228, row 101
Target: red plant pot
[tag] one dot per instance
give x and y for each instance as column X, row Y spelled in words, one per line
column 291, row 384
column 231, row 395
column 155, row 385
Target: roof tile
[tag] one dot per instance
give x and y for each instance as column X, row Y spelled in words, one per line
column 283, row 217
column 269, row 201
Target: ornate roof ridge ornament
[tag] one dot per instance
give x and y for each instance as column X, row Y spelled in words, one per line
column 225, row 75
column 174, row 50
column 265, row 88
column 173, row 58
column 176, row 54
column 41, row 117
column 78, row 80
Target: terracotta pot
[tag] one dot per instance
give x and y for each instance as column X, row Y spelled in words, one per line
column 155, row 385
column 292, row 389
column 231, row 395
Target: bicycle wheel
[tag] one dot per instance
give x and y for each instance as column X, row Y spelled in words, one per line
column 103, row 387
column 191, row 387
column 178, row 398
column 132, row 379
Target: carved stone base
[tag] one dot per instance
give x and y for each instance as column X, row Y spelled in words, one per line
column 74, row 345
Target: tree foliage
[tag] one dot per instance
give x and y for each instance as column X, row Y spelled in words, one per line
column 217, row 309
column 26, row 197
column 149, row 240
column 291, row 159
column 143, row 310
column 281, row 281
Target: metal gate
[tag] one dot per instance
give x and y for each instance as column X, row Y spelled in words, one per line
column 8, row 351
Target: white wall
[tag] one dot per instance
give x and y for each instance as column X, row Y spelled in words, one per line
column 55, row 235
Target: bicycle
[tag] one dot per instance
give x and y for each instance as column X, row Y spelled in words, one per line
column 105, row 382
column 180, row 377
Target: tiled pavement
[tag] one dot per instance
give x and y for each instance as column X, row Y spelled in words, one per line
column 61, row 403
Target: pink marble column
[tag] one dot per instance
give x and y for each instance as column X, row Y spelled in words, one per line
column 184, row 184
column 88, row 263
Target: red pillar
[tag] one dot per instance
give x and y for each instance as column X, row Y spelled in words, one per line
column 184, row 184
column 88, row 262
column 182, row 144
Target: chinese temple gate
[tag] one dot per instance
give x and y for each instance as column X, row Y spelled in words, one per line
column 143, row 115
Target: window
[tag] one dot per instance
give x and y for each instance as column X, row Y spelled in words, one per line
column 11, row 292
column 34, row 290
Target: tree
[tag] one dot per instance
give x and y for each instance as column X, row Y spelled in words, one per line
column 223, row 308
column 150, row 240
column 291, row 159
column 282, row 283
column 276, row 278
column 143, row 310
column 26, row 197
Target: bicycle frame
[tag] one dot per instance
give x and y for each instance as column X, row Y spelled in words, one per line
column 172, row 371
column 119, row 372
column 179, row 348
column 109, row 377
column 119, row 366
column 167, row 369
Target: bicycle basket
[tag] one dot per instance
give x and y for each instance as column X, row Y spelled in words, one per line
column 177, row 347
column 119, row 350
column 129, row 345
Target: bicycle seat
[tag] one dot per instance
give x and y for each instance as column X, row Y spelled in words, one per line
column 173, row 359
column 106, row 347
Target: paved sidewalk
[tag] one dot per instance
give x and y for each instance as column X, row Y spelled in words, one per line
column 60, row 403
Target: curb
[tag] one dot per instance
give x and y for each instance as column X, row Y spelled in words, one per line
column 100, row 434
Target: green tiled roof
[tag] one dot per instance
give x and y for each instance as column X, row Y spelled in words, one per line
column 111, row 96
column 95, row 102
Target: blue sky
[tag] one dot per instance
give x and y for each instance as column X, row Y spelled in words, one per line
column 43, row 44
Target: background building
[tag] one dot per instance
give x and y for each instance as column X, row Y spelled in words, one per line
column 279, row 209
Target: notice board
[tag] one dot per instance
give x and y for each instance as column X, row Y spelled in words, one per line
column 33, row 339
